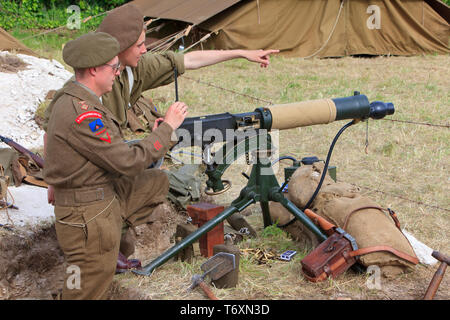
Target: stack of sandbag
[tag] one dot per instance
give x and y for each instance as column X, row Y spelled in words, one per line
column 343, row 205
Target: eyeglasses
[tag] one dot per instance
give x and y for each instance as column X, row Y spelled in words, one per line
column 115, row 67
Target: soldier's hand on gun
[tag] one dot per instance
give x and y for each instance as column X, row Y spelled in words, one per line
column 176, row 114
column 260, row 56
column 157, row 123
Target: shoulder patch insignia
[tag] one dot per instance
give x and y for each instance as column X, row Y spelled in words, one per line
column 86, row 115
column 83, row 105
column 99, row 129
column 108, row 139
column 96, row 125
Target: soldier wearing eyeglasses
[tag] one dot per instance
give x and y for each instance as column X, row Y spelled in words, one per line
column 96, row 175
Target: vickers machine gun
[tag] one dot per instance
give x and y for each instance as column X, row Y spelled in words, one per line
column 249, row 133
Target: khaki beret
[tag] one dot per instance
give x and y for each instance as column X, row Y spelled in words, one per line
column 90, row 50
column 124, row 23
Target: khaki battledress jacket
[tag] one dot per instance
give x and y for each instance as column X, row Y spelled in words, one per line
column 153, row 70
column 100, row 181
column 85, row 146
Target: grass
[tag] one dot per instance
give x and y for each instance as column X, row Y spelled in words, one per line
column 406, row 167
column 48, row 45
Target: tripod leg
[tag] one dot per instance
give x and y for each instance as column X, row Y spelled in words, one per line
column 302, row 217
column 147, row 269
column 266, row 213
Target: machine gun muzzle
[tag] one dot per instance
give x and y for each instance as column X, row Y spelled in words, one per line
column 322, row 111
column 379, row 109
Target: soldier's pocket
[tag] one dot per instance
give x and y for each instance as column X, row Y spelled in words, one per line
column 104, row 224
column 70, row 229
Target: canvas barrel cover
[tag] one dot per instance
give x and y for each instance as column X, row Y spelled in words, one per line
column 333, row 28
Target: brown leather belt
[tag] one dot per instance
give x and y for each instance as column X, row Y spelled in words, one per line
column 82, row 196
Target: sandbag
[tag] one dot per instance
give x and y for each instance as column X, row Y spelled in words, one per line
column 370, row 227
column 305, row 179
column 301, row 187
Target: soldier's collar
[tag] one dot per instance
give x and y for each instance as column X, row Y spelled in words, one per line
column 88, row 89
column 83, row 93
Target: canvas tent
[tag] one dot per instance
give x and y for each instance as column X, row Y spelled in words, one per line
column 176, row 20
column 306, row 28
column 9, row 43
column 192, row 11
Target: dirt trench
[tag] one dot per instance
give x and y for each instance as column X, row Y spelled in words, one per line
column 32, row 265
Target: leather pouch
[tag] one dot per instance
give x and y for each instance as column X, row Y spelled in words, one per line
column 331, row 258
column 339, row 251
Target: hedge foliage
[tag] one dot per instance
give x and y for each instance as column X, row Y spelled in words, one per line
column 48, row 14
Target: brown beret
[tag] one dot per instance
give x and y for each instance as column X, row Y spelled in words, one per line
column 124, row 23
column 90, row 50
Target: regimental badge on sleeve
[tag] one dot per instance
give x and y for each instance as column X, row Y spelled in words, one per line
column 87, row 115
column 99, row 129
column 96, row 125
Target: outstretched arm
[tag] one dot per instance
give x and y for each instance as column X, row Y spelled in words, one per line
column 199, row 59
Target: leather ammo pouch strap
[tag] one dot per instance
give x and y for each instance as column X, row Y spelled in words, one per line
column 30, row 172
column 339, row 252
